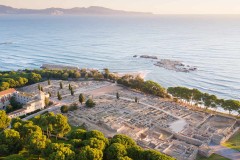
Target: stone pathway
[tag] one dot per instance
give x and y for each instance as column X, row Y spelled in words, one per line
column 226, row 152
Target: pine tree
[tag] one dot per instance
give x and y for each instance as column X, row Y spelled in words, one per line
column 61, row 85
column 117, row 95
column 136, row 100
column 59, row 96
column 39, row 87
column 72, row 92
column 81, row 98
column 46, row 101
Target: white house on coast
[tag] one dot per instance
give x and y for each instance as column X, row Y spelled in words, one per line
column 31, row 102
column 5, row 97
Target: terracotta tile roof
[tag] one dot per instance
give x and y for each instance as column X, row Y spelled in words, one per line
column 11, row 90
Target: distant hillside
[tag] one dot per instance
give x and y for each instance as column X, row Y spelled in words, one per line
column 94, row 10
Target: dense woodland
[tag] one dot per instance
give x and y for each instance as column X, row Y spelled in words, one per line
column 14, row 79
column 49, row 136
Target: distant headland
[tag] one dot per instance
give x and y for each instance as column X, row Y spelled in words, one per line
column 93, row 10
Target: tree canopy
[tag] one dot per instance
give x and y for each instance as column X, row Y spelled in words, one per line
column 90, row 103
column 149, row 87
column 208, row 100
column 81, row 98
column 9, row 142
column 4, row 120
column 34, row 138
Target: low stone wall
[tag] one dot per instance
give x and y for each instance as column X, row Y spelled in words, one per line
column 238, row 121
column 184, row 155
column 201, row 138
column 188, row 140
column 108, row 127
column 235, row 131
column 216, row 138
column 193, row 155
column 205, row 151
column 206, row 119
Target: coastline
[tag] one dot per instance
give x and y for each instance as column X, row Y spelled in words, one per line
column 119, row 75
column 141, row 74
column 148, row 110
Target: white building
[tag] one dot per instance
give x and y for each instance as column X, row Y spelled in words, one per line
column 5, row 97
column 23, row 97
column 31, row 103
column 38, row 102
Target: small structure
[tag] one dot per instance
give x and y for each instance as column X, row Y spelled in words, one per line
column 31, row 103
column 23, row 97
column 5, row 97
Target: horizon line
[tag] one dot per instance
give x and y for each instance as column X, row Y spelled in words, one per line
column 151, row 13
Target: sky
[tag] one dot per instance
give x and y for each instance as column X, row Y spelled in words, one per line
column 154, row 6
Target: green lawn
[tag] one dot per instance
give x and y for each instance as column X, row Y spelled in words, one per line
column 234, row 142
column 212, row 157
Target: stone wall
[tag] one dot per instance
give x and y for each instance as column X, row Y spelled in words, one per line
column 188, row 140
column 234, row 132
column 193, row 155
column 205, row 151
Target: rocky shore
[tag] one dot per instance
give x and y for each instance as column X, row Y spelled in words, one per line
column 146, row 56
column 174, row 65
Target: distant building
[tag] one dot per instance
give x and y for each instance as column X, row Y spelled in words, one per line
column 5, row 97
column 31, row 103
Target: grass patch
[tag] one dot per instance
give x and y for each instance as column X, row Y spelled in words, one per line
column 212, row 157
column 233, row 142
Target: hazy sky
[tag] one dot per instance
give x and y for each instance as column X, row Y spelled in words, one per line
column 155, row 6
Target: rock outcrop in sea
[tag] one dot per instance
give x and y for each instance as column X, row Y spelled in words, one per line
column 169, row 64
column 174, row 65
column 148, row 57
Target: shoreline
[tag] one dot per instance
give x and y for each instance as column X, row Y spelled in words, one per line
column 154, row 73
column 118, row 76
column 141, row 74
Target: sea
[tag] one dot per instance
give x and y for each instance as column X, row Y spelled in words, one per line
column 209, row 42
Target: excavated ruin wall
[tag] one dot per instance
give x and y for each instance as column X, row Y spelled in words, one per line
column 188, row 140
column 193, row 156
column 205, row 151
column 235, row 131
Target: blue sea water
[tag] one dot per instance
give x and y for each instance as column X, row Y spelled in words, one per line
column 212, row 43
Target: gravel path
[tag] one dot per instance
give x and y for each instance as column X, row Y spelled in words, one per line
column 226, row 152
